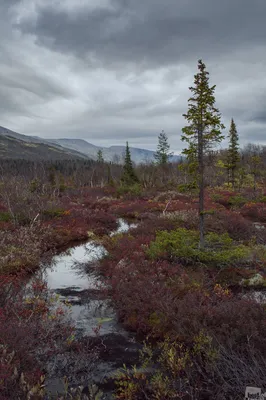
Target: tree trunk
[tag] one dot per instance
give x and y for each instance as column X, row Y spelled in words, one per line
column 233, row 178
column 201, row 188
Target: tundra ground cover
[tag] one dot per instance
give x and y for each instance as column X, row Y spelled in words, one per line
column 34, row 328
column 31, row 330
column 185, row 305
column 204, row 340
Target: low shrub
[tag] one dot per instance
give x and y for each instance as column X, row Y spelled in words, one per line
column 216, row 197
column 231, row 222
column 100, row 222
column 53, row 213
column 33, row 326
column 188, row 219
column 203, row 370
column 212, row 342
column 137, row 208
column 130, row 190
column 203, row 336
column 237, row 201
column 5, row 216
column 217, row 221
column 171, row 195
column 183, row 245
column 260, row 199
column 22, row 247
column 255, row 211
column 222, row 197
column 187, row 188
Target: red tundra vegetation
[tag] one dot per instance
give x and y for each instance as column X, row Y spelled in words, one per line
column 33, row 326
column 30, row 332
column 204, row 337
column 210, row 339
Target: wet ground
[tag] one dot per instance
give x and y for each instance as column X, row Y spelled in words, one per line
column 90, row 309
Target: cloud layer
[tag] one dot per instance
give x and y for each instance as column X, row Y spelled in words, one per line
column 117, row 70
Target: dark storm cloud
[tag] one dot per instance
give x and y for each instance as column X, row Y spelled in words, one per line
column 152, row 32
column 23, row 86
column 24, row 81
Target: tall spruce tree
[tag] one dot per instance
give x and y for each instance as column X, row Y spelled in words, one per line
column 163, row 153
column 203, row 131
column 129, row 176
column 233, row 156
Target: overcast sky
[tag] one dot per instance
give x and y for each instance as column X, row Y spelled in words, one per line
column 116, row 70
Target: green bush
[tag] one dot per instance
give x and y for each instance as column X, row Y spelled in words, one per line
column 237, row 201
column 261, row 199
column 216, row 197
column 134, row 190
column 53, row 213
column 5, row 216
column 183, row 244
column 187, row 188
column 174, row 363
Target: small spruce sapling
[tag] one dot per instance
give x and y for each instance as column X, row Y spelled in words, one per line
column 163, row 153
column 233, row 156
column 129, row 176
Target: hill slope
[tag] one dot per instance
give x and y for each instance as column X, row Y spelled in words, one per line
column 14, row 145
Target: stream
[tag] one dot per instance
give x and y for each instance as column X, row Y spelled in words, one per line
column 69, row 277
column 90, row 307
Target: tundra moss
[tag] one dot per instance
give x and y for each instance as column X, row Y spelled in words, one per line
column 182, row 244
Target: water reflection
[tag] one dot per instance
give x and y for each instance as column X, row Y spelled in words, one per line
column 66, row 275
column 66, row 272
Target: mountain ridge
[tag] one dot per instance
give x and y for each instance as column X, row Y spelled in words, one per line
column 71, row 148
column 114, row 153
column 16, row 145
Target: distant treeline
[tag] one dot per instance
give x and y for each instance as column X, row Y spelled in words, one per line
column 79, row 173
column 31, row 169
column 72, row 172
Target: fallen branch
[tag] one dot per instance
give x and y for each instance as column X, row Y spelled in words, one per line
column 167, row 205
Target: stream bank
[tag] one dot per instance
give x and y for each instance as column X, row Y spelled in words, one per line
column 91, row 308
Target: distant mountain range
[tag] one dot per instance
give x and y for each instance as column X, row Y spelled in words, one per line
column 16, row 145
column 112, row 153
